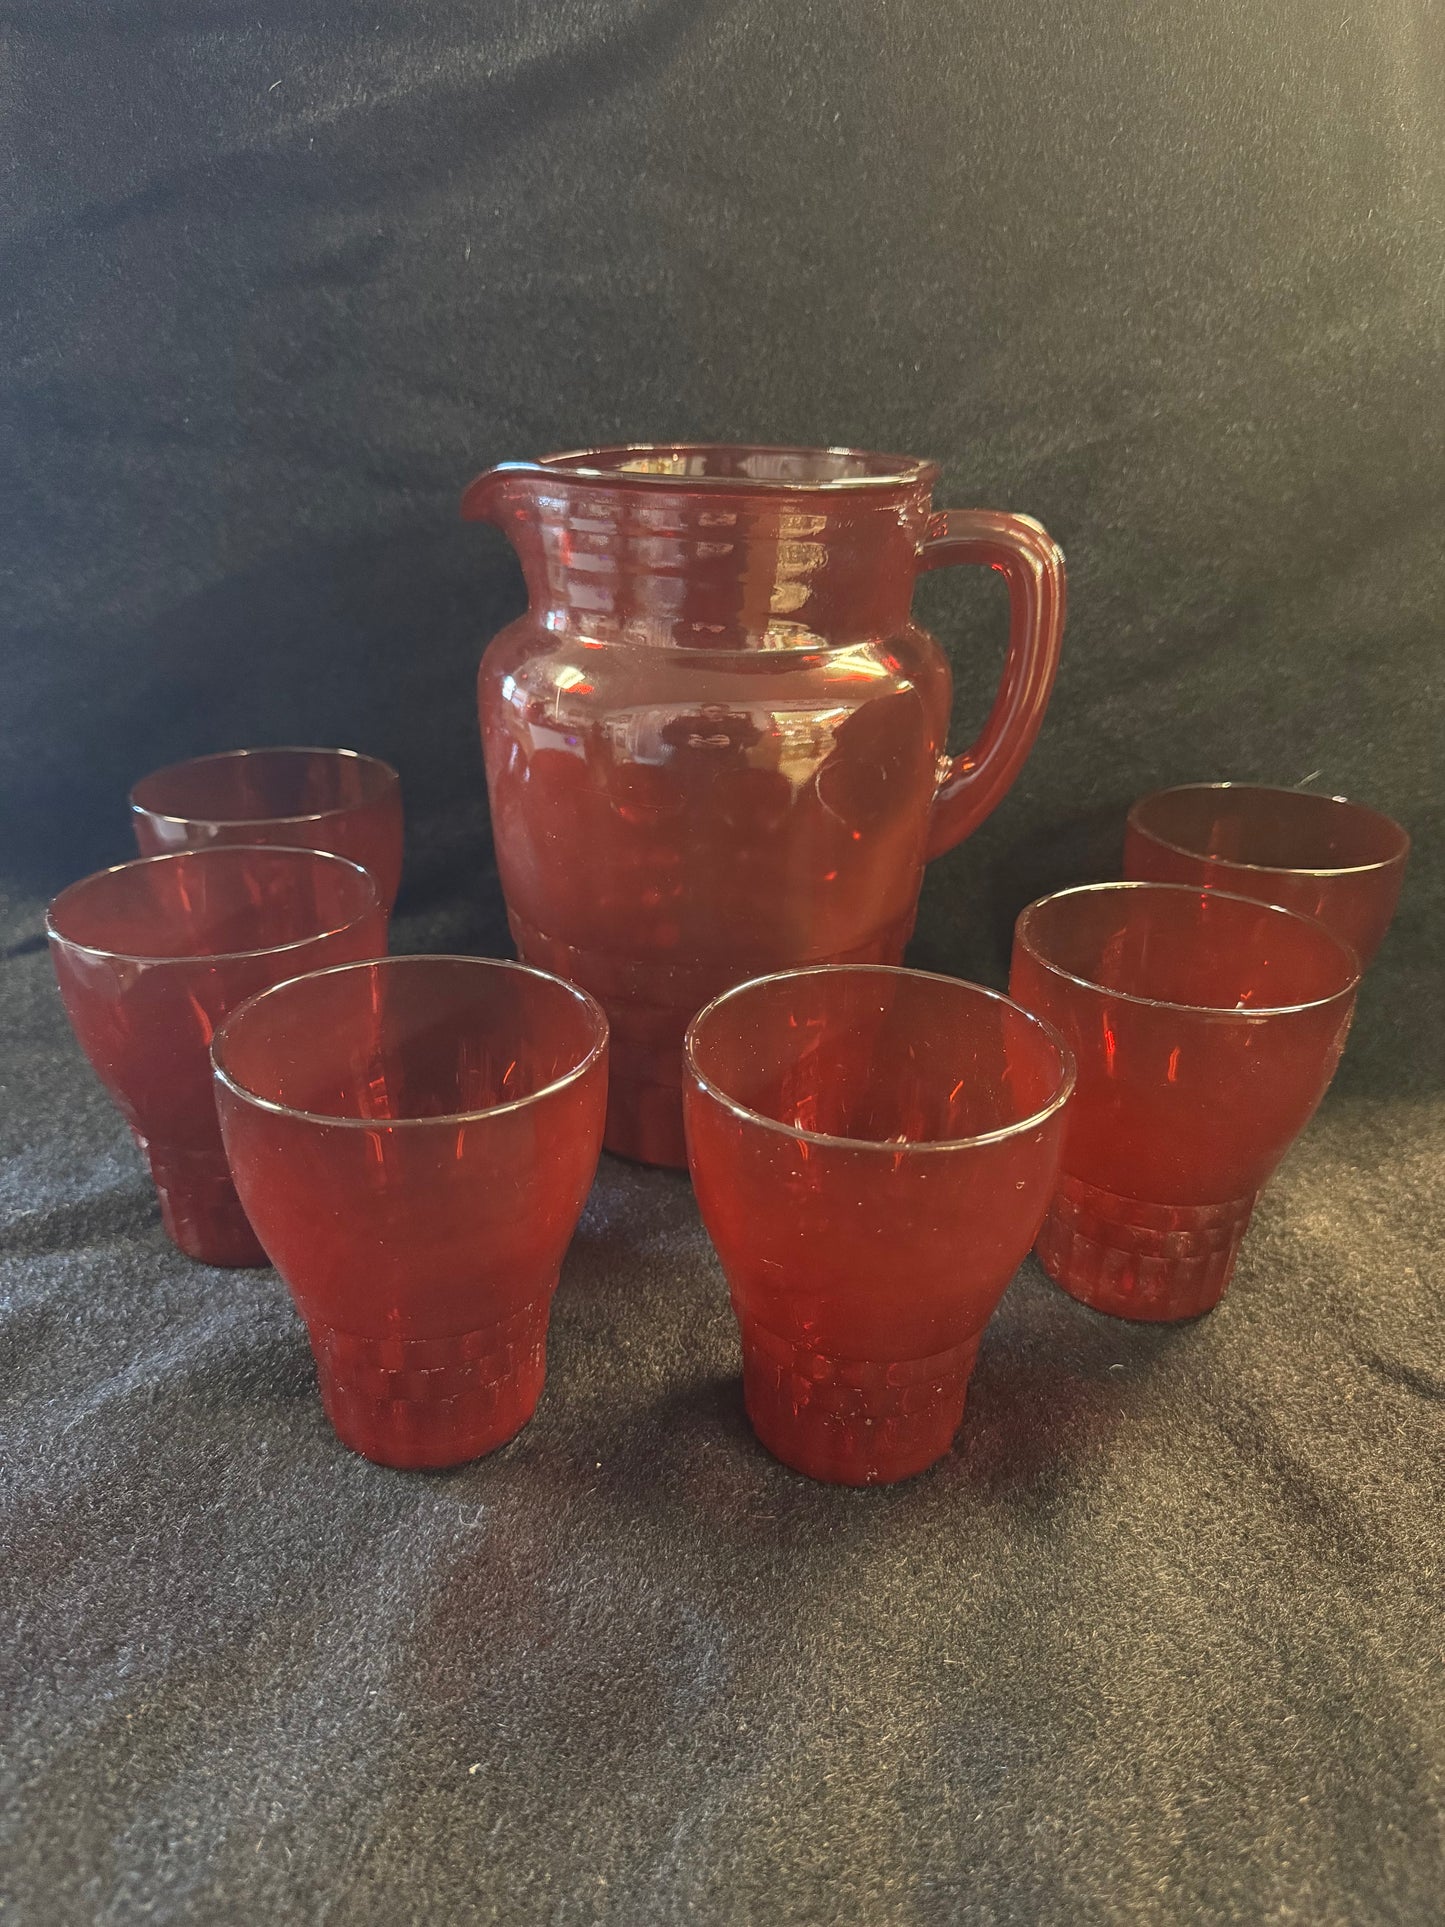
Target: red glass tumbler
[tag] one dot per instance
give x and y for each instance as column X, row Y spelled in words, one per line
column 1320, row 855
column 302, row 799
column 153, row 955
column 1206, row 1028
column 414, row 1141
column 873, row 1150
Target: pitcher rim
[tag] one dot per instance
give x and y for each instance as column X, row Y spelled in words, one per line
column 589, row 464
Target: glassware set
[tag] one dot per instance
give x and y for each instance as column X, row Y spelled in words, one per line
column 716, row 757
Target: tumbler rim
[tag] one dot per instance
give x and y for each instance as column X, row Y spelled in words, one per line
column 257, row 749
column 1229, row 1013
column 1397, row 855
column 910, row 1146
column 217, row 852
column 247, row 1096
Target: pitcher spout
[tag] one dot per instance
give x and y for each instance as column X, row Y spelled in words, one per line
column 485, row 498
column 479, row 498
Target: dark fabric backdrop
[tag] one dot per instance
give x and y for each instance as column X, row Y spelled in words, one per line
column 1161, row 1640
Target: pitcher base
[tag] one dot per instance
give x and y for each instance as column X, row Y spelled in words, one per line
column 649, row 1005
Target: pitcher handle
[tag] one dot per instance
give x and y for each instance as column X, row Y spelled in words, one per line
column 972, row 785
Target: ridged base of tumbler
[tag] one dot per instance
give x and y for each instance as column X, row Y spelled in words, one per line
column 852, row 1421
column 1153, row 1262
column 200, row 1211
column 424, row 1403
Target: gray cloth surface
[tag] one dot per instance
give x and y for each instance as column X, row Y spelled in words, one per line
column 1160, row 1641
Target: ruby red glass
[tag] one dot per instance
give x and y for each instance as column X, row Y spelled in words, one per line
column 414, row 1140
column 304, row 799
column 1321, row 855
column 872, row 1151
column 153, row 955
column 715, row 743
column 1206, row 1029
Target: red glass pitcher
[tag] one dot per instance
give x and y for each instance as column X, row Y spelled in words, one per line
column 716, row 742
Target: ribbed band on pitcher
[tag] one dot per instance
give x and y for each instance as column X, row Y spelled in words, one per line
column 430, row 1402
column 200, row 1210
column 1138, row 1260
column 852, row 1421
